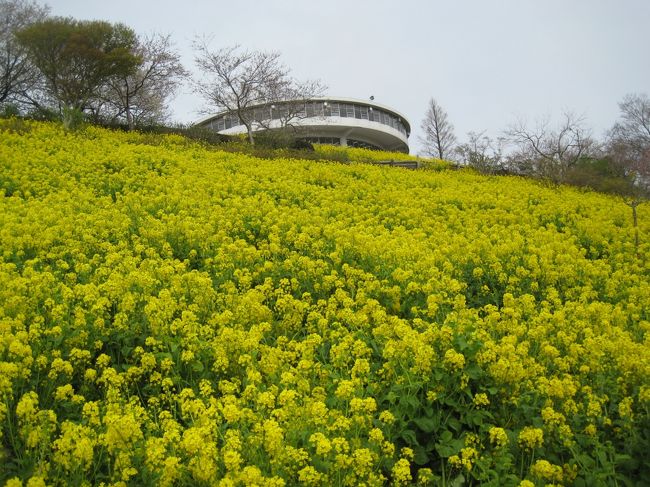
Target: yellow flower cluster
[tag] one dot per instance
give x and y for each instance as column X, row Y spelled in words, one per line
column 172, row 314
column 498, row 437
column 531, row 438
column 358, row 154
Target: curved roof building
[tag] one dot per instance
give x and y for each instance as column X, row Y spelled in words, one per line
column 339, row 121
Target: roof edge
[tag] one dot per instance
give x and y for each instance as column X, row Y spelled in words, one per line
column 343, row 99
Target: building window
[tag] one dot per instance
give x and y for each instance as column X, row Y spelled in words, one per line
column 360, row 143
column 312, row 109
column 347, row 110
column 323, row 140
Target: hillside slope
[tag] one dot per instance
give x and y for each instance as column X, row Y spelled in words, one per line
column 171, row 314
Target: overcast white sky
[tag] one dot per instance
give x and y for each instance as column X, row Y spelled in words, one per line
column 486, row 62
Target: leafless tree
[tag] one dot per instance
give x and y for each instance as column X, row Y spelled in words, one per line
column 439, row 138
column 481, row 152
column 141, row 97
column 255, row 86
column 547, row 152
column 240, row 81
column 18, row 76
column 295, row 102
column 632, row 131
column 629, row 147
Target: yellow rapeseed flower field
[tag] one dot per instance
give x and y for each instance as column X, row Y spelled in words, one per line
column 171, row 314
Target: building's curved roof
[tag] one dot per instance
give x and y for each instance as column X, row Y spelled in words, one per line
column 352, row 120
column 357, row 101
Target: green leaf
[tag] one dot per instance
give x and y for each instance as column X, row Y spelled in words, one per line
column 454, row 424
column 458, row 481
column 449, row 401
column 445, row 451
column 602, row 457
column 391, row 397
column 163, row 355
column 410, row 437
column 473, row 371
column 421, row 456
column 448, row 446
column 428, row 425
column 413, row 402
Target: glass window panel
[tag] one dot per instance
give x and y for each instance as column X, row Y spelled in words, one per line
column 300, row 109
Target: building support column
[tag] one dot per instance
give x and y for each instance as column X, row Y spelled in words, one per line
column 344, row 138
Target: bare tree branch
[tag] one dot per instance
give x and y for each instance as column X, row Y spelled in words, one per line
column 236, row 79
column 482, row 153
column 629, row 143
column 439, row 138
column 141, row 97
column 19, row 78
column 249, row 84
column 549, row 153
column 633, row 129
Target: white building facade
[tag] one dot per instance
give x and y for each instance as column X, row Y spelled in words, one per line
column 339, row 121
